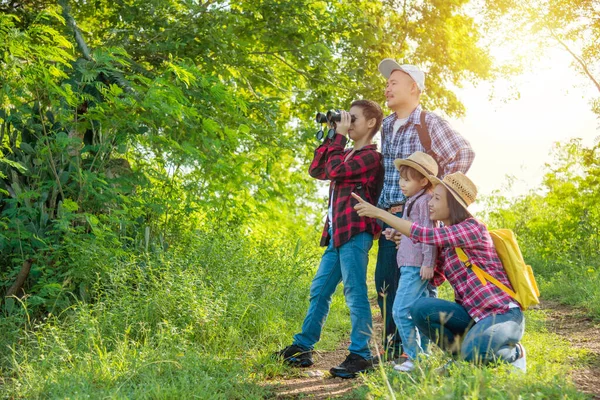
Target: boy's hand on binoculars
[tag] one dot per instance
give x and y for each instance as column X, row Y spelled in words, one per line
column 344, row 125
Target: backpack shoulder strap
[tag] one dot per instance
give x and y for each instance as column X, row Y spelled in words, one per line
column 483, row 276
column 424, row 135
column 425, row 139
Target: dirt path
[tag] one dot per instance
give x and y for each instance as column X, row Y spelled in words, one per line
column 316, row 382
column 583, row 333
column 571, row 323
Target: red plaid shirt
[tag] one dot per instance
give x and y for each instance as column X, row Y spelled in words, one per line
column 361, row 173
column 473, row 237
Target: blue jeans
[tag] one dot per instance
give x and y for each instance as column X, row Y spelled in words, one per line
column 387, row 275
column 410, row 289
column 450, row 326
column 347, row 263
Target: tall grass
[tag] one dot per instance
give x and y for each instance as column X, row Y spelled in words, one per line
column 201, row 320
column 198, row 321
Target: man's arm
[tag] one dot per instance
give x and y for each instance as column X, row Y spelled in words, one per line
column 454, row 151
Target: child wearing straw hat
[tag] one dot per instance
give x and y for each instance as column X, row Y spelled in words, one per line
column 483, row 324
column 415, row 260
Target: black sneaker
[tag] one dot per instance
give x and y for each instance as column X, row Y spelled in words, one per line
column 295, row 356
column 352, row 366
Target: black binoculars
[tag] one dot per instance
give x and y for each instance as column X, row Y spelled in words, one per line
column 331, row 116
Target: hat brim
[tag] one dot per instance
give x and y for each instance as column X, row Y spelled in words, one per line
column 437, row 181
column 410, row 163
column 387, row 66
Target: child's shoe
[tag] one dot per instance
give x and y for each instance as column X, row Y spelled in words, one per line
column 295, row 356
column 351, row 367
column 406, row 366
column 521, row 362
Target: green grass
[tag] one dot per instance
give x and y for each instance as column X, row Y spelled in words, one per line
column 202, row 321
column 191, row 323
column 575, row 288
column 197, row 322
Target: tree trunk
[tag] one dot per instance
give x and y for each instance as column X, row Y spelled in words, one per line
column 21, row 277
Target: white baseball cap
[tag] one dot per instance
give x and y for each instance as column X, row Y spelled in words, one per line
column 387, row 66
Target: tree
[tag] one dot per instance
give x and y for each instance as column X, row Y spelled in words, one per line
column 123, row 131
column 574, row 26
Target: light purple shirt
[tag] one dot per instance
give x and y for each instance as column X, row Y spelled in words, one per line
column 411, row 254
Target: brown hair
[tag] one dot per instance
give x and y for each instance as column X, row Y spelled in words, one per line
column 370, row 110
column 409, row 173
column 458, row 213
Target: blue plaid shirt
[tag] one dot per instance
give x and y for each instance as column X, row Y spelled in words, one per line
column 453, row 151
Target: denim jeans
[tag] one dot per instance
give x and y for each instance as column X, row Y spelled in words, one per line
column 387, row 276
column 450, row 326
column 347, row 263
column 410, row 289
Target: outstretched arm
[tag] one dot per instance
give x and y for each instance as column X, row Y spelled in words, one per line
column 365, row 209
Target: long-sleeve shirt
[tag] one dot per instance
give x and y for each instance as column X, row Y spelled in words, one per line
column 415, row 254
column 453, row 151
column 360, row 172
column 473, row 237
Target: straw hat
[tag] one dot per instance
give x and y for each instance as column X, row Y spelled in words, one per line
column 461, row 187
column 420, row 161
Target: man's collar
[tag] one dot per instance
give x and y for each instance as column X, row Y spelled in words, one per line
column 415, row 116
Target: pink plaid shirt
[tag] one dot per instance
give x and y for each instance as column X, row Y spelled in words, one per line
column 414, row 254
column 473, row 237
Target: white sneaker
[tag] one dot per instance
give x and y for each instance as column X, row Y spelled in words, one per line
column 521, row 362
column 406, row 366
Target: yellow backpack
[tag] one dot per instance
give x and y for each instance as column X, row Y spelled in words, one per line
column 520, row 275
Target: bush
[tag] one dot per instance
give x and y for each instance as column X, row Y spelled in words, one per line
column 558, row 226
column 198, row 317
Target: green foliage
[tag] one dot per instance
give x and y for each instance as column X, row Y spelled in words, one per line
column 196, row 320
column 142, row 129
column 558, row 225
column 56, row 191
column 148, row 163
column 291, row 58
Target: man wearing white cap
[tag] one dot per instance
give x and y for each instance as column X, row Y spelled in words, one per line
column 406, row 130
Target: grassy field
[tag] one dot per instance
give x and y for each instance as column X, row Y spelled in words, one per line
column 201, row 322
